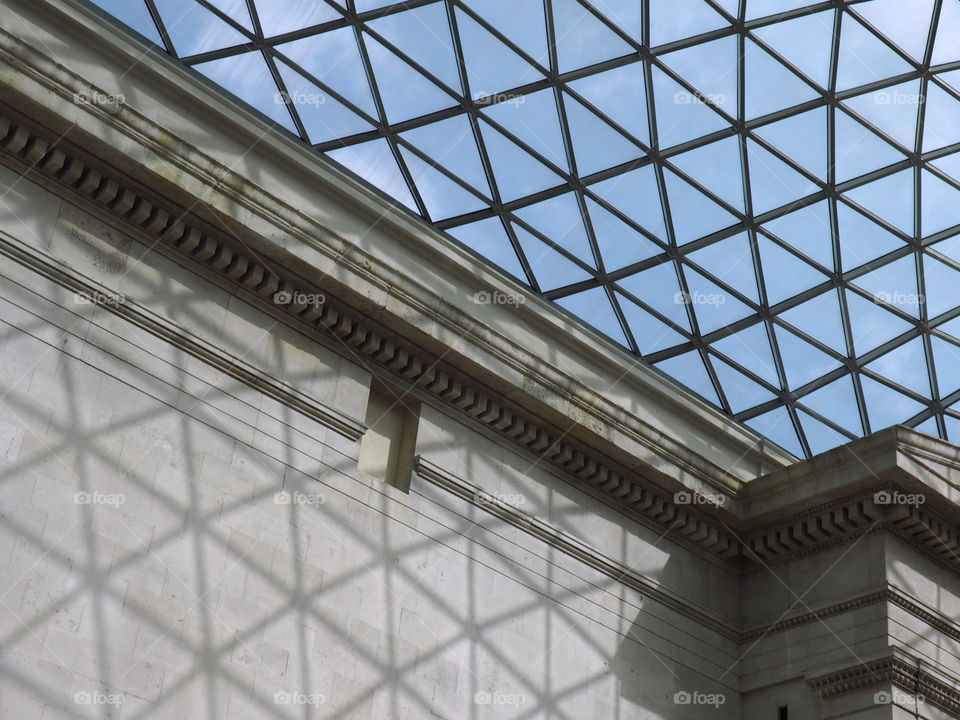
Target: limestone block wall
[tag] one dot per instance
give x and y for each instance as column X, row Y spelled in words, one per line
column 184, row 531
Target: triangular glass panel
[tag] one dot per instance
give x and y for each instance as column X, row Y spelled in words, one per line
column 951, row 78
column 650, row 333
column 892, row 110
column 777, row 426
column 582, row 39
column 492, row 67
column 322, row 115
column 659, row 288
column 560, row 220
column 697, row 215
column 714, row 306
column 636, row 194
column 742, row 393
column 864, row 58
column 620, row 94
column 489, row 240
column 522, row 23
column 764, row 8
column 806, row 42
column 949, row 247
column 689, row 371
column 894, row 283
column 193, row 29
column 593, row 306
column 859, row 150
column 953, row 428
column 681, row 116
column 807, row 230
column 886, row 406
column 773, row 183
column 626, row 14
column 906, row 366
column 517, row 173
column 283, row 16
column 672, row 20
column 946, row 357
column 861, row 239
column 716, row 167
column 405, row 92
column 940, row 285
column 596, row 145
column 712, row 68
column 820, row 437
column 871, row 325
column 802, row 362
column 236, row 10
column 837, row 401
column 940, row 204
column 750, row 348
column 535, row 122
column 443, row 197
column 423, row 35
column 731, row 261
column 803, row 138
column 947, row 46
column 909, row 30
column 784, row 274
column 950, row 164
column 940, row 126
column 770, row 85
column 451, row 143
column 928, row 427
column 374, row 162
column 366, row 5
column 249, row 79
column 951, row 327
column 620, row 245
column 135, row 15
column 819, row 318
column 731, row 6
column 551, row 269
column 334, row 58
column 890, row 198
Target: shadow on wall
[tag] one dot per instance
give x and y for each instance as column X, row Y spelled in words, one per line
column 174, row 544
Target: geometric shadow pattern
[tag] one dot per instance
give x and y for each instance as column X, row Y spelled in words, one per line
column 760, row 198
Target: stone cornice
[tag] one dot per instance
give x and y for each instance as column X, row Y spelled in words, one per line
column 898, row 669
column 647, row 436
column 158, row 224
column 152, row 217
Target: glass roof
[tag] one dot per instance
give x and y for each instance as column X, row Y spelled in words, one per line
column 761, row 198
